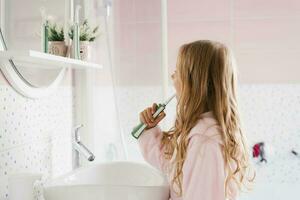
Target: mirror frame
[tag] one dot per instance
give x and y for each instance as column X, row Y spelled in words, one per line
column 13, row 76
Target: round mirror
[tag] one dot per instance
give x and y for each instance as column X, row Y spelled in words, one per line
column 21, row 25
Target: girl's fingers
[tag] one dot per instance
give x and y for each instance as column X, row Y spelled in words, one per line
column 148, row 120
column 160, row 117
column 154, row 107
column 150, row 115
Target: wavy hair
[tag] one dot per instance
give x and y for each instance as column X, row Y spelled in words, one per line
column 208, row 83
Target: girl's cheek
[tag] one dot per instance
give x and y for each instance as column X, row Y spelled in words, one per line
column 177, row 85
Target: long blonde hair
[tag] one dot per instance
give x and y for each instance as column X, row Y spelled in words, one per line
column 208, row 83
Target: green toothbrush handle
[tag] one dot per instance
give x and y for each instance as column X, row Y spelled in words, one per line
column 138, row 130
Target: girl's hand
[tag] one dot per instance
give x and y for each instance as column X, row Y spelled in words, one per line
column 146, row 116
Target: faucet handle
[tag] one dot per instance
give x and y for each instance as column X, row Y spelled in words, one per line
column 76, row 132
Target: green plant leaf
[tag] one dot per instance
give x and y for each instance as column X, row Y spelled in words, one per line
column 86, row 32
column 55, row 33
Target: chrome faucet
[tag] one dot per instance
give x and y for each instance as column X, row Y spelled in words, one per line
column 79, row 148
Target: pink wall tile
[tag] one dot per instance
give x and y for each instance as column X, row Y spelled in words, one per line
column 140, row 70
column 264, row 48
column 138, row 42
column 126, row 43
column 268, row 67
column 148, row 39
column 147, row 55
column 267, row 34
column 179, row 10
column 138, row 52
column 267, row 50
column 124, row 11
column 148, row 10
column 258, row 8
column 180, row 33
column 138, row 10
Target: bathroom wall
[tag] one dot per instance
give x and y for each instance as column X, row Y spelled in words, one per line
column 35, row 134
column 137, row 45
column 263, row 35
column 269, row 112
column 264, row 40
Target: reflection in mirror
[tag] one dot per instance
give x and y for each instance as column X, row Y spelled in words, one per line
column 23, row 22
column 2, row 42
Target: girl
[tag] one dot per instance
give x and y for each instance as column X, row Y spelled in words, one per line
column 204, row 155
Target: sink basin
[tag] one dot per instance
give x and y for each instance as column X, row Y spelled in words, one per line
column 109, row 181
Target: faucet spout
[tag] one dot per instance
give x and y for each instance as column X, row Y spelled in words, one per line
column 83, row 150
column 80, row 149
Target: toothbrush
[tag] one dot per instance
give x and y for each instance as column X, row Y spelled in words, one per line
column 138, row 130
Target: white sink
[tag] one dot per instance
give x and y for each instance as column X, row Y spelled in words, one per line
column 109, row 181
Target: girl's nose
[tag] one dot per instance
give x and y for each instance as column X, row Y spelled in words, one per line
column 172, row 76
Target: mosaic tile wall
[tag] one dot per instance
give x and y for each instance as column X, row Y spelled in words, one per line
column 35, row 135
column 271, row 113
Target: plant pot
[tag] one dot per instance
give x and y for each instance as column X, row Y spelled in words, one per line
column 58, row 48
column 85, row 50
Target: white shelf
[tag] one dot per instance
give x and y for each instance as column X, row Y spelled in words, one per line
column 44, row 60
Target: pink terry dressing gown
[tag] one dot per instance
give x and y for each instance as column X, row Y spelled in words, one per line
column 203, row 169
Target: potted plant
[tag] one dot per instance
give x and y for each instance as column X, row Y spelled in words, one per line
column 87, row 34
column 56, row 40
